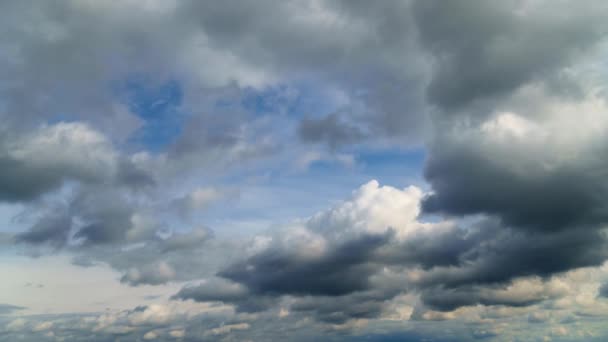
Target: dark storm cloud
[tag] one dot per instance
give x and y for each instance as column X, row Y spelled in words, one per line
column 26, row 179
column 443, row 299
column 461, row 267
column 499, row 256
column 545, row 212
column 339, row 310
column 448, row 300
column 434, row 249
column 41, row 161
column 513, row 254
column 486, row 49
column 466, row 180
column 339, row 272
column 334, row 288
column 12, row 187
column 220, row 290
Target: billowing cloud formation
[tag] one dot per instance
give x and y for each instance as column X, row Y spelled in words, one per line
column 372, row 248
column 41, row 161
column 486, row 50
column 314, row 264
column 128, row 128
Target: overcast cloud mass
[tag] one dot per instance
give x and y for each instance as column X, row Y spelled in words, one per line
column 412, row 170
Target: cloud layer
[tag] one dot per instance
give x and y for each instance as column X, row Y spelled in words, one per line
column 205, row 154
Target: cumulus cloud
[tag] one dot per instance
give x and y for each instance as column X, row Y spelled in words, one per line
column 43, row 160
column 503, row 237
column 447, row 266
column 483, row 51
column 317, row 258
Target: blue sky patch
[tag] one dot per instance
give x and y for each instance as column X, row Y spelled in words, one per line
column 159, row 106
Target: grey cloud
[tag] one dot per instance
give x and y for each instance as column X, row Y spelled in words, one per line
column 107, row 216
column 30, row 171
column 547, row 207
column 603, row 291
column 459, row 267
column 485, row 50
column 335, row 287
column 214, row 290
column 41, row 161
column 369, row 33
column 434, row 249
column 87, row 55
column 368, row 304
column 521, row 254
column 133, row 176
column 330, row 130
column 51, row 229
column 363, row 58
column 339, row 272
column 551, row 200
column 220, row 290
column 7, row 309
column 189, row 240
column 538, row 221
column 449, row 299
column 545, row 220
column 91, row 215
column 339, row 310
column 182, row 256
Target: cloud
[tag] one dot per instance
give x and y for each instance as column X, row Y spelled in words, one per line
column 447, row 266
column 329, row 130
column 504, row 99
column 152, row 274
column 550, row 181
column 603, row 291
column 521, row 292
column 178, row 256
column 192, row 239
column 8, row 308
column 315, row 263
column 307, row 159
column 54, row 230
column 214, row 290
column 41, row 161
column 484, row 51
column 225, row 329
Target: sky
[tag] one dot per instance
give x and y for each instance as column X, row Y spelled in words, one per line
column 318, row 170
